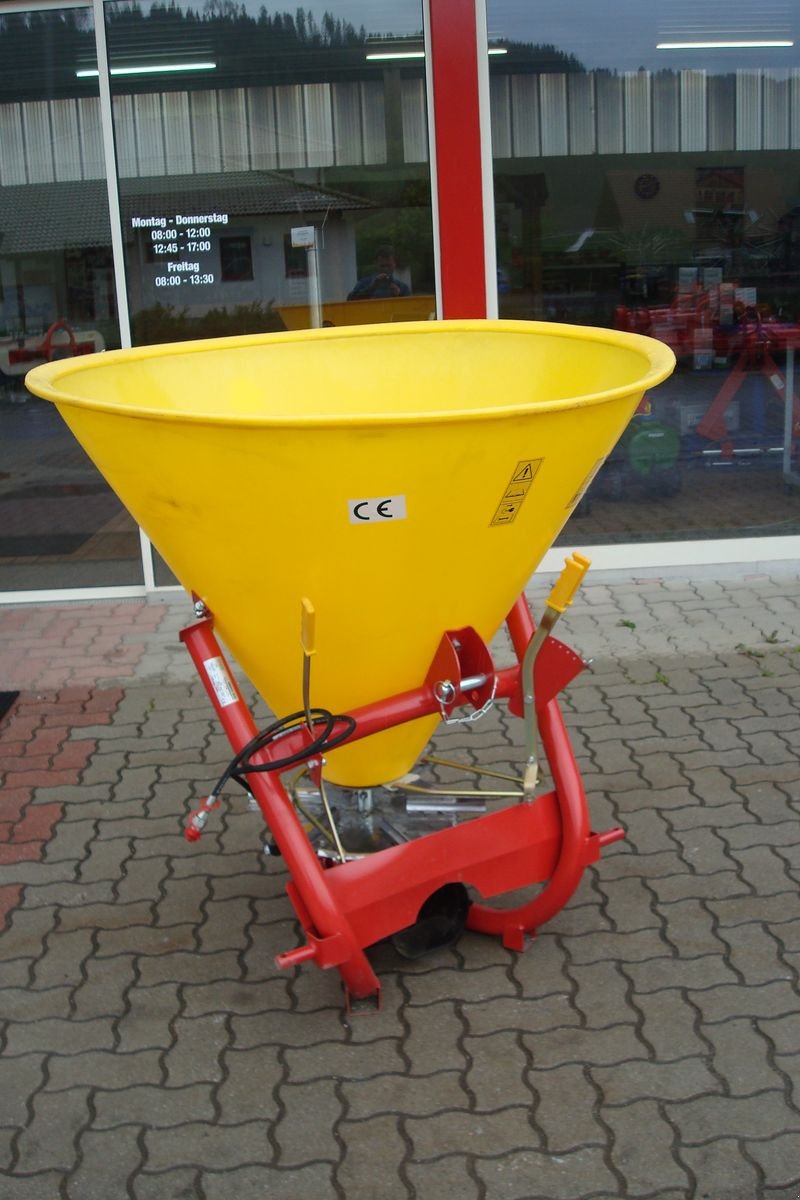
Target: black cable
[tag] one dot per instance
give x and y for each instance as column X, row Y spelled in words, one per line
column 241, row 766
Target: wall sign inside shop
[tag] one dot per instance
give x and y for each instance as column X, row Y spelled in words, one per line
column 180, row 246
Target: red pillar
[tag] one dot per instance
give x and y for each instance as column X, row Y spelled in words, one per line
column 459, row 87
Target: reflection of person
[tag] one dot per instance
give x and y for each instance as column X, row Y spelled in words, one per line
column 382, row 283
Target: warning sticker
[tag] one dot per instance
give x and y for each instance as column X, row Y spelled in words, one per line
column 221, row 682
column 517, row 489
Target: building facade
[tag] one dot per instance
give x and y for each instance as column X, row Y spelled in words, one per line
column 631, row 165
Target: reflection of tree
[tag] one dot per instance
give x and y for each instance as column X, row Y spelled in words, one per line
column 542, row 59
column 39, row 51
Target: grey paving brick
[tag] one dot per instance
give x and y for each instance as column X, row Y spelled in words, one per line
column 105, row 1164
column 527, row 1175
column 625, row 864
column 702, row 816
column 689, row 929
column 237, row 996
column 742, row 1057
column 496, row 1071
column 639, row 945
column 762, row 1116
column 448, row 1177
column 248, row 1091
column 194, row 1056
column 713, row 887
column 225, row 925
column 777, row 909
column 433, row 1042
column 647, row 1163
column 154, row 1107
column 695, row 974
column 705, row 851
column 43, row 1185
column 22, row 1078
column 601, row 997
column 680, row 1079
column 456, row 1132
column 101, row 993
column 578, row 918
column 146, row 940
column 357, row 1176
column 147, row 1022
column 518, row 1013
column 256, row 1182
column 411, row 1095
column 168, row 962
column 48, row 1140
column 201, row 864
column 181, row 1184
column 767, row 1000
column 782, row 1032
column 565, row 1092
column 782, row 833
column 179, row 900
column 779, row 1159
column 102, row 1069
column 276, row 1027
column 559, row 1046
column 341, row 1061
column 756, row 955
column 26, row 931
column 209, row 1146
column 629, row 905
column 44, row 1036
column 720, row 1169
column 27, row 1004
column 104, row 860
column 305, row 1130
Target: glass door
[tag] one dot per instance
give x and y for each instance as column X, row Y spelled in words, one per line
column 61, row 527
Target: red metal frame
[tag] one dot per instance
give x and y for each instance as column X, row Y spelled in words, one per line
column 345, row 908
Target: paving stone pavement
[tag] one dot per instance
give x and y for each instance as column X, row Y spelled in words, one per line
column 647, row 1044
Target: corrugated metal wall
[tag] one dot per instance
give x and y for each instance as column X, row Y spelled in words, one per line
column 343, row 124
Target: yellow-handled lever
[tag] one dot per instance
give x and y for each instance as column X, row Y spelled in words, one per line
column 308, row 626
column 559, row 600
column 308, row 633
column 568, row 582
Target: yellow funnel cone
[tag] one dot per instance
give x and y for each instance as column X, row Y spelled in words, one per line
column 405, row 479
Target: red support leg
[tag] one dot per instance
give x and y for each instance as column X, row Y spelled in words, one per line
column 328, row 920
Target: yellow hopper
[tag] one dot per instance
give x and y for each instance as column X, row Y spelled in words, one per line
column 406, row 479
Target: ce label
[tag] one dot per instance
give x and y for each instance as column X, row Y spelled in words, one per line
column 371, row 510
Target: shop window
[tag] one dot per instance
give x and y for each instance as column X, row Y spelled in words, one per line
column 295, row 259
column 236, row 259
column 649, row 184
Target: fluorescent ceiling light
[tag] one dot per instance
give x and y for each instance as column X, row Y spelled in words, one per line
column 398, row 54
column 721, row 45
column 415, row 54
column 154, row 69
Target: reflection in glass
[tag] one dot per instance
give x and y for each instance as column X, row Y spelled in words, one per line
column 647, row 186
column 267, row 162
column 60, row 525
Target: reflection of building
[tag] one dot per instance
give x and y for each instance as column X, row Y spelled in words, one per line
column 236, row 230
column 53, row 267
